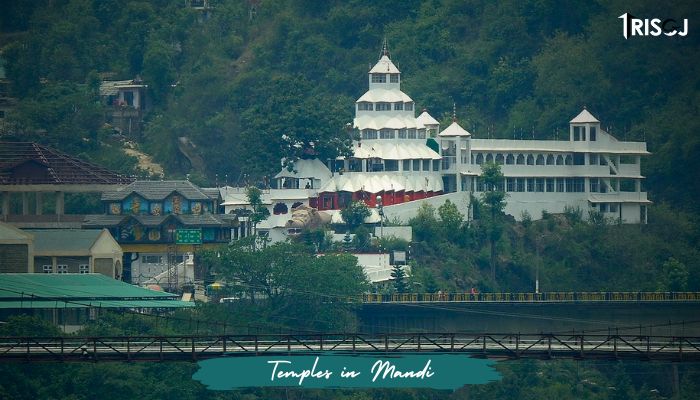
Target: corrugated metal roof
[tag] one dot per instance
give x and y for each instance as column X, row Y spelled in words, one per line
column 78, row 290
column 64, row 240
column 157, row 190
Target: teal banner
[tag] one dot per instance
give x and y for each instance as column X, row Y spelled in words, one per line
column 333, row 370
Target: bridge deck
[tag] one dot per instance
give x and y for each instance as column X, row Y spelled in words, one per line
column 193, row 348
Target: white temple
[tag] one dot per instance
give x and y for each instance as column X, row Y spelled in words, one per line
column 392, row 158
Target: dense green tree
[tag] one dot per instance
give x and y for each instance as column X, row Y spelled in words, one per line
column 493, row 199
column 354, row 214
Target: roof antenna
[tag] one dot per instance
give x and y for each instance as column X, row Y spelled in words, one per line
column 454, row 112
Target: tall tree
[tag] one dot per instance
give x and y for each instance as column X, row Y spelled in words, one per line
column 494, row 200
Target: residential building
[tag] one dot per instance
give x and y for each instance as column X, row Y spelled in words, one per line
column 146, row 218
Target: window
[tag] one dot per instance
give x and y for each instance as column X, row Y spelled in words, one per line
column 539, row 185
column 539, row 160
column 593, row 133
column 152, row 259
column 416, row 165
column 408, row 107
column 386, row 134
column 61, row 269
column 530, row 184
column 402, row 133
column 594, row 185
column 426, row 165
column 510, row 184
column 560, row 185
column 579, row 133
column 391, row 165
column 499, row 159
column 365, row 106
column 129, row 98
column 592, row 159
column 436, row 165
column 479, row 184
column 510, row 160
column 406, row 165
column 520, row 185
column 378, row 78
column 84, row 269
column 627, row 159
column 579, row 185
column 579, row 159
column 560, row 160
column 613, row 207
column 369, row 134
column 355, row 164
column 550, row 184
column 628, row 185
column 398, row 106
column 530, row 159
column 394, row 78
column 568, row 160
column 603, row 207
column 421, row 133
column 550, row 159
column 489, row 158
column 47, row 269
column 479, row 159
column 520, row 160
column 383, row 107
column 412, row 133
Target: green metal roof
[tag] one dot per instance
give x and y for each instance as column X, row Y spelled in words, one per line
column 79, row 290
column 67, row 240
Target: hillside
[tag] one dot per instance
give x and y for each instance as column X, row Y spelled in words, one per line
column 245, row 73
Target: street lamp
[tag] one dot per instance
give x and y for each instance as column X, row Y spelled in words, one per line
column 538, row 244
column 380, row 210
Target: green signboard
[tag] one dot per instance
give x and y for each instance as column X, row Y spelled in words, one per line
column 188, row 236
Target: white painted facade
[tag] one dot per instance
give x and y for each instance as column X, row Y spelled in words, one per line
column 591, row 171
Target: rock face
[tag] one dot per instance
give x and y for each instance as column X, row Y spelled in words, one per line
column 307, row 217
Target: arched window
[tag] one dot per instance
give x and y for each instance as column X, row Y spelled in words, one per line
column 520, row 160
column 569, row 160
column 510, row 160
column 489, row 158
column 280, row 208
column 530, row 159
column 499, row 159
column 479, row 159
column 539, row 160
column 297, row 204
column 560, row 160
column 550, row 159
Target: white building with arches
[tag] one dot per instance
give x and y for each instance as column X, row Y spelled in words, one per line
column 406, row 160
column 591, row 171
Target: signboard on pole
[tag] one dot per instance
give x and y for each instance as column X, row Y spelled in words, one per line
column 188, row 236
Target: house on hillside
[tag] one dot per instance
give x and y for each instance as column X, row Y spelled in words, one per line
column 126, row 103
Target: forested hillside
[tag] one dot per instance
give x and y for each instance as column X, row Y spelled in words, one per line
column 236, row 78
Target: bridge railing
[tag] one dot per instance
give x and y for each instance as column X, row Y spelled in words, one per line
column 532, row 297
column 193, row 348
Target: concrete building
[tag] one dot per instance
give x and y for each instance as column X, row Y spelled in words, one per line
column 76, row 251
column 408, row 161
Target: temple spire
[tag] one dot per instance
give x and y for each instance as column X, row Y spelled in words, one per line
column 454, row 112
column 385, row 49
